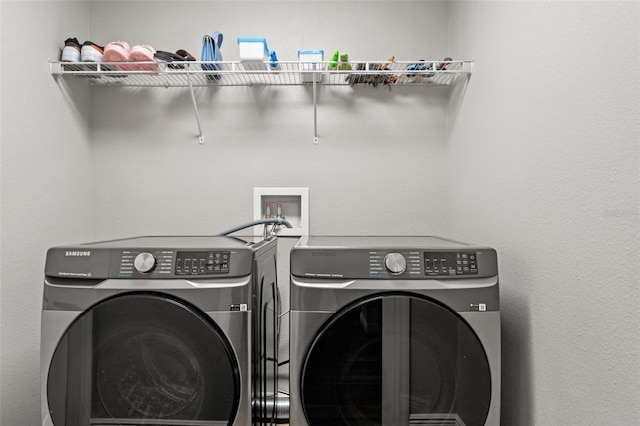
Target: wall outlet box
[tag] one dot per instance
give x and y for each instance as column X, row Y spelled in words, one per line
column 293, row 204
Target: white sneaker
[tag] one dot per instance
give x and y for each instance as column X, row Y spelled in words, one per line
column 91, row 52
column 71, row 50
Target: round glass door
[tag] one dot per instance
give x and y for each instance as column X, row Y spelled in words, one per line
column 146, row 359
column 396, row 359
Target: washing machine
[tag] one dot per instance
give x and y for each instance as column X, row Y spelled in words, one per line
column 394, row 331
column 173, row 330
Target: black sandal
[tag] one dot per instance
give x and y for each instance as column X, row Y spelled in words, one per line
column 180, row 56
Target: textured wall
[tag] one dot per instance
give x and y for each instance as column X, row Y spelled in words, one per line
column 543, row 163
column 378, row 149
column 47, row 194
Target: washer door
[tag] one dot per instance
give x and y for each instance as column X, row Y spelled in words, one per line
column 396, row 360
column 143, row 359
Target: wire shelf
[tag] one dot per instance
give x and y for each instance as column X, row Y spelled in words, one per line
column 236, row 73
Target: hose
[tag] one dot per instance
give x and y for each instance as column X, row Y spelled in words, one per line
column 276, row 221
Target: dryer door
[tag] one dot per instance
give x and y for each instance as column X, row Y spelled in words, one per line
column 396, row 360
column 143, row 359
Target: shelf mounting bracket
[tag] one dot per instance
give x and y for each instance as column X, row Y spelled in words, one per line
column 315, row 110
column 195, row 107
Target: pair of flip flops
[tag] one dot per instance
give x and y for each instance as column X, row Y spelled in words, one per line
column 180, row 56
column 120, row 51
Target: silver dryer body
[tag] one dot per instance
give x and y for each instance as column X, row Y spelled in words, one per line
column 159, row 330
column 394, row 331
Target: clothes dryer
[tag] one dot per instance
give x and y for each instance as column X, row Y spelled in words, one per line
column 394, row 331
column 160, row 330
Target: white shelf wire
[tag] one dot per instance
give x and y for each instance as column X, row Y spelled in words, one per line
column 236, row 73
column 292, row 73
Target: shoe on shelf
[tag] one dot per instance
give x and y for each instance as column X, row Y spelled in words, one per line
column 180, row 56
column 185, row 55
column 71, row 50
column 143, row 53
column 91, row 52
column 116, row 51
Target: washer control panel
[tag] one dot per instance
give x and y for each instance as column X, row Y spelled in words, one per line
column 393, row 263
column 173, row 263
column 149, row 258
column 202, row 262
column 144, row 262
column 450, row 263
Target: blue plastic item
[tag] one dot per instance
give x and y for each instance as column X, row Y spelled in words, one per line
column 416, row 67
column 211, row 53
column 273, row 59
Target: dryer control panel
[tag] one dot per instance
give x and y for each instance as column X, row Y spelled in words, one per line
column 393, row 263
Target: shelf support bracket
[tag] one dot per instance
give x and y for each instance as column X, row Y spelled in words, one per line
column 195, row 107
column 315, row 110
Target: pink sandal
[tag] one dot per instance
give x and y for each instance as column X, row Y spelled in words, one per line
column 143, row 53
column 116, row 51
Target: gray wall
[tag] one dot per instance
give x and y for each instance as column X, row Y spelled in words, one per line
column 543, row 163
column 376, row 150
column 537, row 156
column 47, row 183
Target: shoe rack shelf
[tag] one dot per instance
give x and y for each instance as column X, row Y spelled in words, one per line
column 235, row 73
column 232, row 73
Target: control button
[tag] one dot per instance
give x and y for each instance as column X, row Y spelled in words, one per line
column 395, row 263
column 144, row 262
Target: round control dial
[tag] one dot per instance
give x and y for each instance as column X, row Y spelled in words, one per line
column 395, row 263
column 144, row 262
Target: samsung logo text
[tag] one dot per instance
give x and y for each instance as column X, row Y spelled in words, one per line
column 70, row 253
